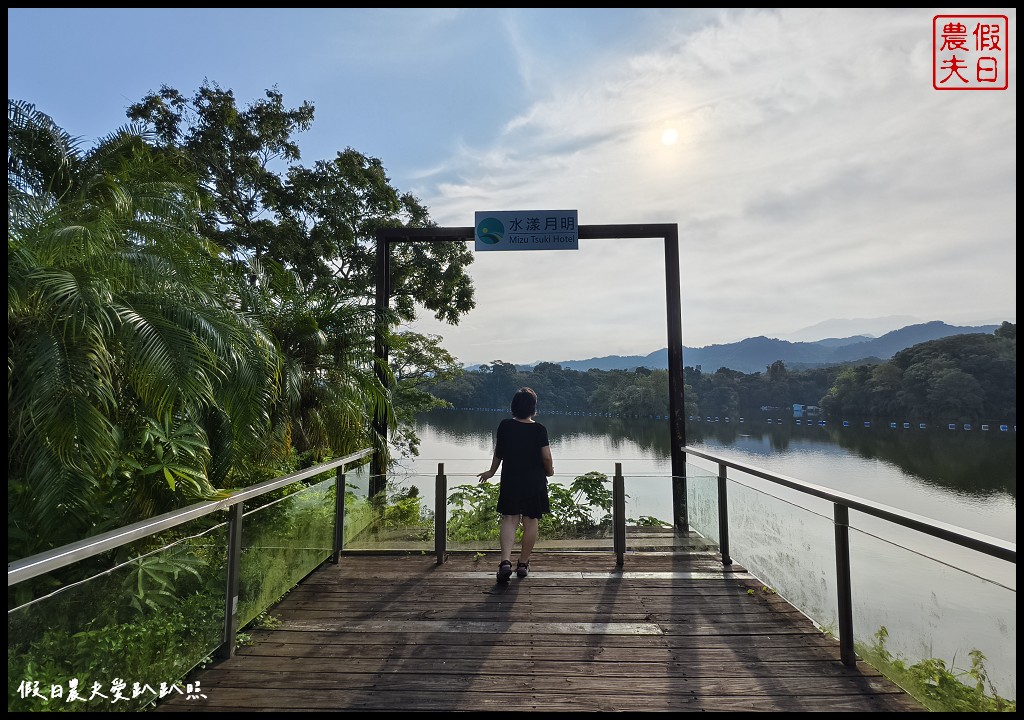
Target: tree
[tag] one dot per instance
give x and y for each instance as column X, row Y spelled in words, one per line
column 121, row 351
column 318, row 222
column 341, row 205
column 329, row 393
column 418, row 361
column 956, row 395
column 723, row 395
column 1007, row 331
column 885, row 385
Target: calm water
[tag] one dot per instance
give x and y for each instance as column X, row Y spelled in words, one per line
column 935, row 599
column 965, row 478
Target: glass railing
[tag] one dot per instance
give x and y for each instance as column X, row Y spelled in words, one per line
column 581, row 503
column 930, row 605
column 399, row 520
column 115, row 622
column 282, row 542
column 121, row 638
column 407, row 520
column 118, row 637
column 921, row 620
column 787, row 545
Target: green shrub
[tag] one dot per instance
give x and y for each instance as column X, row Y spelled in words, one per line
column 152, row 652
column 583, row 509
column 124, row 636
column 937, row 687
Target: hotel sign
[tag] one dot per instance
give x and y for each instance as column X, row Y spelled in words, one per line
column 527, row 230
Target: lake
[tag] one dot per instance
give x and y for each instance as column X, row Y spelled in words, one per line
column 935, row 600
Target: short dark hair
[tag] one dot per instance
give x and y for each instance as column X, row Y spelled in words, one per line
column 524, row 403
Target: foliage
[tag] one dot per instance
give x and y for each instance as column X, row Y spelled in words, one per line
column 330, row 390
column 184, row 318
column 648, row 521
column 176, row 451
column 161, row 616
column 157, row 648
column 473, row 513
column 403, row 509
column 154, row 582
column 189, row 309
column 959, row 378
column 417, row 361
column 583, row 509
column 938, row 687
column 319, row 221
column 266, row 621
column 121, row 346
column 320, row 224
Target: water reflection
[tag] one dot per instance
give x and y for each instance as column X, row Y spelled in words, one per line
column 977, row 463
column 972, row 462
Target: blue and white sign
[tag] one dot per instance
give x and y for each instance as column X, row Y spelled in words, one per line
column 527, row 230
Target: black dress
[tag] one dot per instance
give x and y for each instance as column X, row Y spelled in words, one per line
column 524, row 481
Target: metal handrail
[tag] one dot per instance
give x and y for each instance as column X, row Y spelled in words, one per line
column 842, row 503
column 987, row 544
column 42, row 563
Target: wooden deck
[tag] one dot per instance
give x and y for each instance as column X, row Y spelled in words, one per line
column 668, row 631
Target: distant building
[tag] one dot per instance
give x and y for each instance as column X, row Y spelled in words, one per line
column 806, row 410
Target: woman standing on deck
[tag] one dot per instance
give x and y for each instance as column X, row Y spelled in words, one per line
column 521, row 448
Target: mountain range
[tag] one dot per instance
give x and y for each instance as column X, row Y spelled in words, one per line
column 756, row 354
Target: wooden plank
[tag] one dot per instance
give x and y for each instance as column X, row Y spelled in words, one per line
column 527, row 664
column 799, row 643
column 492, row 678
column 400, row 633
column 704, row 657
column 510, row 698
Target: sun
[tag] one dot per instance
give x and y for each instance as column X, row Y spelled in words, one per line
column 670, row 137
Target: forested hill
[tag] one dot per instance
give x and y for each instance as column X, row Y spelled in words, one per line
column 755, row 354
column 960, row 378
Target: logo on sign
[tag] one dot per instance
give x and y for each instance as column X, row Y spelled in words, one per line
column 527, row 230
column 490, row 230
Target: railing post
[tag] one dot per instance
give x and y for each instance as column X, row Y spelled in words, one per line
column 619, row 514
column 676, row 381
column 440, row 514
column 339, row 514
column 723, row 514
column 382, row 299
column 234, row 550
column 844, row 586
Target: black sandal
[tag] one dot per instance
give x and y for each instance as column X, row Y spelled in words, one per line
column 504, row 571
column 522, row 569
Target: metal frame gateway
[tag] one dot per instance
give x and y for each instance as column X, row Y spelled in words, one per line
column 669, row 232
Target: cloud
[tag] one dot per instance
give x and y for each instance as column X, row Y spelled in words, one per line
column 817, row 175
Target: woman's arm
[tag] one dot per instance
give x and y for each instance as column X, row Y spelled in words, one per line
column 489, row 473
column 549, row 463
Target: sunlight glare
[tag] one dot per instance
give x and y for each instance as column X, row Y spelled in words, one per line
column 669, row 137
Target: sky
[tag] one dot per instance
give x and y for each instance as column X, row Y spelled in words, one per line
column 821, row 185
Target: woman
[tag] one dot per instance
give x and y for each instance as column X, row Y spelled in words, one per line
column 521, row 448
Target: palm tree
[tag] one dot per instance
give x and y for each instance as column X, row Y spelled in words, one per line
column 329, row 392
column 122, row 352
